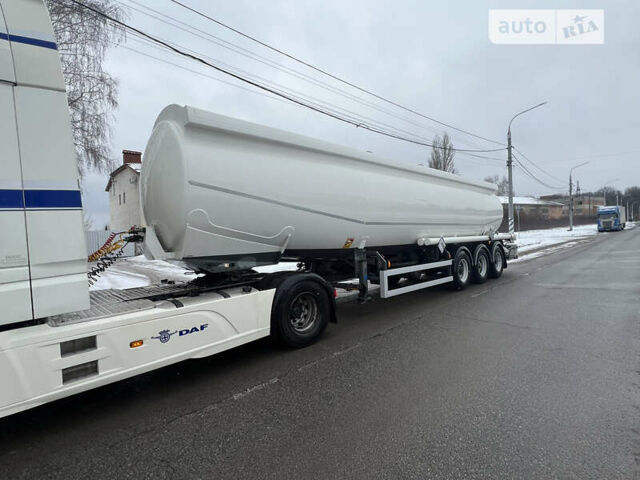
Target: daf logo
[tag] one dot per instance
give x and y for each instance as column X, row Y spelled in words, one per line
column 164, row 336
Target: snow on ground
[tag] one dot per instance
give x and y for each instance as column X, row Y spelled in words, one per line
column 140, row 272
column 536, row 239
column 536, row 243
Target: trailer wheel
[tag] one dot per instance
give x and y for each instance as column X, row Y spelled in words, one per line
column 496, row 266
column 481, row 267
column 461, row 270
column 301, row 315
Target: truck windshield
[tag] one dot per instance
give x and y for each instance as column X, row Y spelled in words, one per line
column 607, row 216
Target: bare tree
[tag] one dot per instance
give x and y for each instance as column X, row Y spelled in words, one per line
column 502, row 184
column 442, row 154
column 83, row 38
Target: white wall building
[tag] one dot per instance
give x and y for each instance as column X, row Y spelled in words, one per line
column 124, row 194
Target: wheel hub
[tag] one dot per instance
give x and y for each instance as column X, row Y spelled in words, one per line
column 303, row 312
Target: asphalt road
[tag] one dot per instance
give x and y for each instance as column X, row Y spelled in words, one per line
column 534, row 375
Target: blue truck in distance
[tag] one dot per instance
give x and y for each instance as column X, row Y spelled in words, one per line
column 611, row 218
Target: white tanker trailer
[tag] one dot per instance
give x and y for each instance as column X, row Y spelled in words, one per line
column 223, row 196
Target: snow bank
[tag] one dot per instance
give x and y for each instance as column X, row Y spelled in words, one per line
column 538, row 239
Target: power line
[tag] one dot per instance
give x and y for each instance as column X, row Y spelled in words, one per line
column 203, row 74
column 207, row 36
column 263, row 60
column 536, row 165
column 265, row 88
column 279, row 88
column 349, row 113
column 533, row 176
column 168, row 62
column 335, row 77
column 484, row 157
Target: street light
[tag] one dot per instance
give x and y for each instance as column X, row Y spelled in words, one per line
column 571, row 194
column 510, row 163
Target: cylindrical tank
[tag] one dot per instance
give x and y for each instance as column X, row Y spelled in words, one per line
column 220, row 191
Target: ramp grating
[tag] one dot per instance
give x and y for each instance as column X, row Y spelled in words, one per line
column 106, row 303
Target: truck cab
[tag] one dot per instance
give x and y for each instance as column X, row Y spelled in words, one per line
column 611, row 218
column 43, row 264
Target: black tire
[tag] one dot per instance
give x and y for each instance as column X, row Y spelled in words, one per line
column 461, row 270
column 496, row 266
column 481, row 267
column 301, row 314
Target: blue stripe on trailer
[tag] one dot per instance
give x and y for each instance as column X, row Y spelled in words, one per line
column 28, row 41
column 41, row 199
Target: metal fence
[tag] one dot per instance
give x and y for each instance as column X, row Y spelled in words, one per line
column 96, row 238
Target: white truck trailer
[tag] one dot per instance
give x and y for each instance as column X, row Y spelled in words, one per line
column 245, row 195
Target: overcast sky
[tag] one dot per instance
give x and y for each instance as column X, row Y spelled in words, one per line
column 432, row 56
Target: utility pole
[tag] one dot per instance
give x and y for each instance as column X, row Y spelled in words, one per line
column 570, row 203
column 571, row 194
column 510, row 175
column 510, row 164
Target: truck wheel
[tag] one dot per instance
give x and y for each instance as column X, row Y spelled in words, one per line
column 496, row 266
column 461, row 270
column 481, row 268
column 301, row 315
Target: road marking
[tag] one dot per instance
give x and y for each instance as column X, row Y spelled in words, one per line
column 327, row 357
column 250, row 390
column 481, row 293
